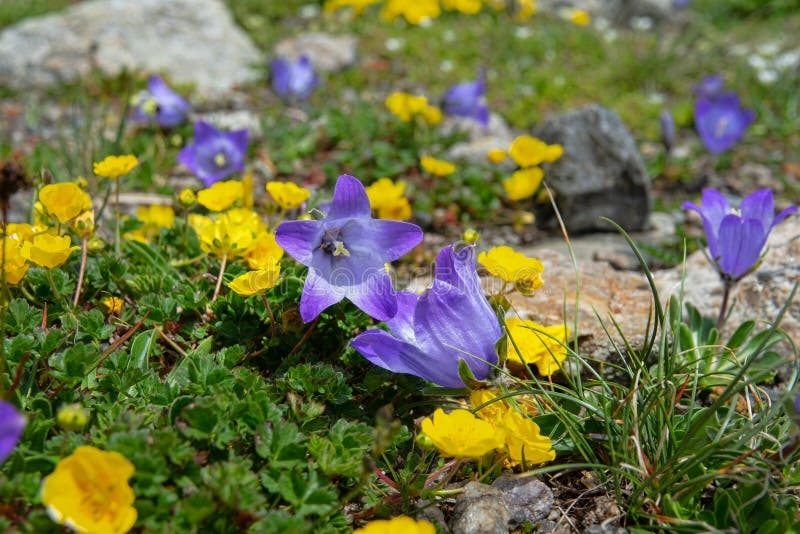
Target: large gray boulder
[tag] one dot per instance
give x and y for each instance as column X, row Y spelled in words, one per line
column 191, row 41
column 601, row 172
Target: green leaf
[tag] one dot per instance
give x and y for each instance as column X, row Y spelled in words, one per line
column 141, row 347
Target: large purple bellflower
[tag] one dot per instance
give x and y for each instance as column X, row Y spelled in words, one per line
column 160, row 105
column 293, row 80
column 345, row 253
column 214, row 155
column 721, row 121
column 468, row 100
column 450, row 321
column 736, row 236
column 12, row 423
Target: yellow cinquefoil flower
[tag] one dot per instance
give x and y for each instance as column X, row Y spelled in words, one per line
column 468, row 7
column 115, row 166
column 414, row 11
column 221, row 195
column 254, row 282
column 358, row 5
column 187, row 198
column 14, row 264
column 244, row 217
column 113, row 305
column 265, row 251
column 198, row 222
column 528, row 151
column 223, row 238
column 493, row 412
column 511, row 266
column 47, row 250
column 64, row 201
column 89, row 492
column 397, row 210
column 496, row 155
column 543, row 346
column 580, row 17
column 524, row 439
column 385, row 192
column 20, row 231
column 288, row 195
column 461, row 434
column 406, row 106
column 397, row 525
column 437, row 167
column 523, row 183
column 155, row 218
column 525, row 9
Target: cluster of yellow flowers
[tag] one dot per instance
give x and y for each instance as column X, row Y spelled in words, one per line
column 418, row 11
column 386, row 198
column 497, row 426
column 513, row 267
column 527, row 152
column 407, row 107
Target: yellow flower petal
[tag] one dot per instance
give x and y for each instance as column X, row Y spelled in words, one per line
column 113, row 305
column 265, row 251
column 496, row 155
column 47, row 250
column 437, row 167
column 397, row 525
column 534, row 344
column 64, row 201
column 221, row 195
column 399, row 210
column 384, row 192
column 14, row 263
column 253, row 282
column 115, row 166
column 523, row 183
column 406, row 106
column 461, row 434
column 580, row 17
column 524, row 439
column 511, row 266
column 187, row 198
column 528, row 151
column 89, row 492
column 288, row 195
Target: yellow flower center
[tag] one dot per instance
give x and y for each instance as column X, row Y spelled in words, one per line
column 220, row 160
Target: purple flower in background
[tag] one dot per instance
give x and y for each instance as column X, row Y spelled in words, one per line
column 214, row 155
column 160, row 105
column 709, row 87
column 293, row 80
column 468, row 100
column 450, row 321
column 681, row 3
column 12, row 423
column 345, row 253
column 721, row 121
column 667, row 130
column 736, row 236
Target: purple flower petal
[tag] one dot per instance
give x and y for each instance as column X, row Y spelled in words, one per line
column 299, row 239
column 667, row 124
column 317, row 295
column 721, row 121
column 293, row 80
column 375, row 297
column 782, row 215
column 214, row 155
column 350, row 199
column 468, row 100
column 710, row 87
column 740, row 241
column 402, row 324
column 12, row 423
column 389, row 239
column 759, row 205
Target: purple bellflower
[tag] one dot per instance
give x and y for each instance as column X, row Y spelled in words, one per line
column 681, row 3
column 293, row 80
column 345, row 252
column 710, row 87
column 736, row 235
column 721, row 121
column 214, row 155
column 160, row 105
column 12, row 423
column 450, row 321
column 468, row 100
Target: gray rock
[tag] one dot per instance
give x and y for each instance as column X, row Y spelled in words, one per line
column 480, row 509
column 327, row 52
column 429, row 511
column 190, row 41
column 605, row 529
column 527, row 498
column 600, row 174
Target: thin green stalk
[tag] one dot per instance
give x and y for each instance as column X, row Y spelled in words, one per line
column 116, row 218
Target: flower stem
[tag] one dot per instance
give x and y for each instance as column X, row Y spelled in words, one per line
column 219, row 278
column 84, row 249
column 116, row 219
column 269, row 312
column 723, row 309
column 3, row 300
